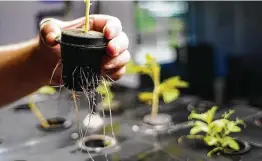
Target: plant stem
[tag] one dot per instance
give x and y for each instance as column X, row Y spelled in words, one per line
column 87, row 15
column 155, row 103
column 38, row 114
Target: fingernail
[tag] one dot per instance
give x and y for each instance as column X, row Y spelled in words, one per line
column 57, row 31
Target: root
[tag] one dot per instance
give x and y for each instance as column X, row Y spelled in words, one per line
column 57, row 65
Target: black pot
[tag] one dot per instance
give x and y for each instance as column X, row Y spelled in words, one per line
column 82, row 55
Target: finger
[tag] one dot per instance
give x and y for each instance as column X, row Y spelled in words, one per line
column 116, row 62
column 117, row 45
column 50, row 29
column 109, row 25
column 117, row 74
column 79, row 22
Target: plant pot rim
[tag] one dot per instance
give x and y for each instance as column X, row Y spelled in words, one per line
column 89, row 40
column 161, row 119
column 82, row 146
column 246, row 144
column 61, row 126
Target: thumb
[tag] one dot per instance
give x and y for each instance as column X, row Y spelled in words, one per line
column 51, row 28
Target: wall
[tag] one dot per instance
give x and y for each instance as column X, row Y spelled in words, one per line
column 232, row 27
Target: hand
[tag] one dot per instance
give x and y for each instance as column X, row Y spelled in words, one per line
column 113, row 64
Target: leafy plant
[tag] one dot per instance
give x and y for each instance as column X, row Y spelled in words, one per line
column 104, row 89
column 217, row 132
column 167, row 89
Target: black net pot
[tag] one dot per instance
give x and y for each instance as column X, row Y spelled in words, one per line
column 82, row 55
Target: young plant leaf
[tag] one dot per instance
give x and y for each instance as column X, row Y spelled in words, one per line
column 197, row 116
column 232, row 127
column 175, row 82
column 231, row 143
column 240, row 122
column 48, row 90
column 215, row 150
column 226, row 115
column 145, row 97
column 198, row 127
column 104, row 89
column 132, row 68
column 195, row 130
column 170, row 95
column 218, row 125
column 211, row 114
column 210, row 140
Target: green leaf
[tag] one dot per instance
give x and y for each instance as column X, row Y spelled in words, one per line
column 48, row 90
column 227, row 114
column 211, row 113
column 231, row 143
column 235, row 129
column 149, row 59
column 232, row 127
column 218, row 125
column 240, row 122
column 215, row 150
column 197, row 116
column 200, row 123
column 203, row 126
column 195, row 130
column 171, row 95
column 145, row 97
column 175, row 82
column 132, row 68
column 210, row 140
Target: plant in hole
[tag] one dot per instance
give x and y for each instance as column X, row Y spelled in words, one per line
column 46, row 90
column 217, row 132
column 104, row 89
column 168, row 89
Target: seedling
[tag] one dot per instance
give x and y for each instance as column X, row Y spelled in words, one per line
column 47, row 90
column 167, row 89
column 104, row 89
column 216, row 132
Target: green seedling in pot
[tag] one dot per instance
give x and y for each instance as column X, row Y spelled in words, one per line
column 216, row 132
column 168, row 89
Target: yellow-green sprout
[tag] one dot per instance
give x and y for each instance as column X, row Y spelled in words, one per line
column 168, row 89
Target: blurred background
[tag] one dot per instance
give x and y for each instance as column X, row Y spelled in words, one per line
column 215, row 46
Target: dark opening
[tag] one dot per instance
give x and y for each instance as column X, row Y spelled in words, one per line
column 57, row 123
column 23, row 107
column 96, row 143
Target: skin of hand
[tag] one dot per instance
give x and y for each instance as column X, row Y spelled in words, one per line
column 27, row 66
column 117, row 54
